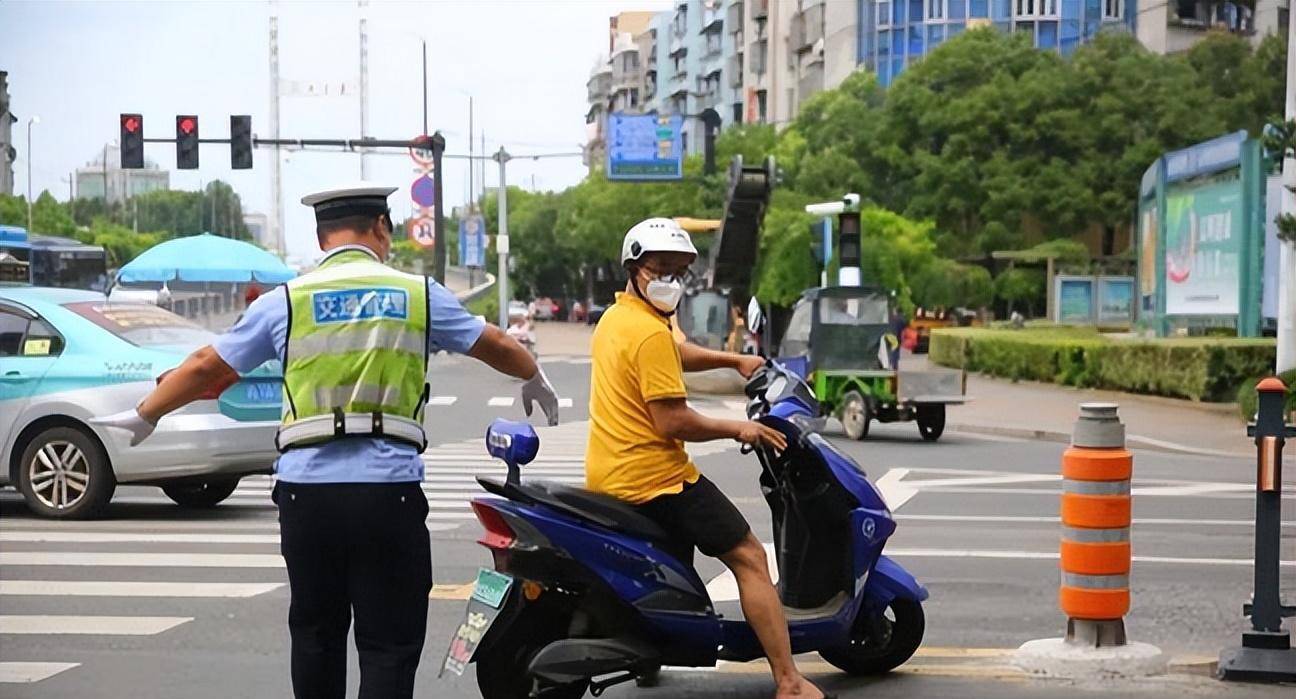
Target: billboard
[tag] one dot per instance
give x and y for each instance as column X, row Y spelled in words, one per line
column 1203, row 245
column 1115, row 300
column 1075, row 299
column 645, row 147
column 472, row 241
column 1147, row 258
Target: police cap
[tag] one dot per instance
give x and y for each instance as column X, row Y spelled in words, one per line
column 362, row 199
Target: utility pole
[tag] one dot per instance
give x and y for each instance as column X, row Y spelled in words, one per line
column 438, row 218
column 502, row 239
column 425, row 119
column 276, row 174
column 1286, row 355
column 472, row 162
column 364, row 88
column 32, row 120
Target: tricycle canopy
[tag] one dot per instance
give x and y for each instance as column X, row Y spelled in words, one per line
column 838, row 328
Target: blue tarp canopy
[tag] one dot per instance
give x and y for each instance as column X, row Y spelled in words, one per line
column 205, row 258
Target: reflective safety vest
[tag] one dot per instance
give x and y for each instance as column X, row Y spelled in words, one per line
column 356, row 356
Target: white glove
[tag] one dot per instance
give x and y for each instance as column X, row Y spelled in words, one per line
column 129, row 420
column 537, row 389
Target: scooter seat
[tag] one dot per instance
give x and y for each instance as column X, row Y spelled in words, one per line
column 597, row 508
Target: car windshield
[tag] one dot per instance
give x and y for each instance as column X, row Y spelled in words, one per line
column 143, row 325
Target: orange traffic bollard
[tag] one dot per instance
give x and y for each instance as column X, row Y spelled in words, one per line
column 1096, row 510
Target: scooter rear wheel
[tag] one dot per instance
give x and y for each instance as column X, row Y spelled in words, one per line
column 883, row 643
column 502, row 668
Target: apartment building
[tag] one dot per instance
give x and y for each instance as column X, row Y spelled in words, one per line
column 1175, row 25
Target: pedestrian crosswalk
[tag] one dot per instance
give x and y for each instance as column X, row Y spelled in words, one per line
column 144, row 578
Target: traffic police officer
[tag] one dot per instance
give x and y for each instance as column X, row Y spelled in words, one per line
column 354, row 336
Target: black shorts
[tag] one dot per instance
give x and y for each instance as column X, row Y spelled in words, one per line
column 698, row 516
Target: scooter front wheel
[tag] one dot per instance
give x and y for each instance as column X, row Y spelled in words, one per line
column 883, row 642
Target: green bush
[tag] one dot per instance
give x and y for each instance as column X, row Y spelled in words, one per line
column 486, row 305
column 1248, row 401
column 1206, row 369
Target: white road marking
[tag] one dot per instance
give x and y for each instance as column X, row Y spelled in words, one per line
column 96, row 625
column 23, row 673
column 442, row 400
column 135, row 537
column 141, row 560
column 894, row 492
column 1053, row 555
column 500, row 401
column 1008, row 519
column 105, row 588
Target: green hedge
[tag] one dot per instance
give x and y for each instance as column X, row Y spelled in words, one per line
column 1248, row 400
column 1206, row 369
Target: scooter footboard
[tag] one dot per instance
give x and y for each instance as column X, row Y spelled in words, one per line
column 889, row 581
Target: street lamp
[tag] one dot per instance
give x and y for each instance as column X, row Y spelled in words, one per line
column 33, row 120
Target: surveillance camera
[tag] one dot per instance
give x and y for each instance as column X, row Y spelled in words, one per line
column 851, row 200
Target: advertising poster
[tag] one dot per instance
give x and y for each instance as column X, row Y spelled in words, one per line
column 472, row 241
column 1115, row 300
column 1147, row 272
column 1203, row 246
column 1075, row 300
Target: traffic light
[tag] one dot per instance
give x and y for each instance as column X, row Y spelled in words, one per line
column 132, row 141
column 187, row 142
column 849, row 244
column 241, row 142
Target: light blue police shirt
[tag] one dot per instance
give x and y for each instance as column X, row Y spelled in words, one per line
column 261, row 335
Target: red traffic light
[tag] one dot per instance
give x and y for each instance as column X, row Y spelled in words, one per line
column 187, row 124
column 131, row 123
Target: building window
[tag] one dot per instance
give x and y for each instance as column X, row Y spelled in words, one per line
column 684, row 141
column 980, row 9
column 1186, row 9
column 761, row 104
column 737, row 112
column 1114, row 10
column 883, row 8
column 935, row 9
column 1036, row 8
column 712, row 43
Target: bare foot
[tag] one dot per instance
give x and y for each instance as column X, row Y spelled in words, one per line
column 802, row 689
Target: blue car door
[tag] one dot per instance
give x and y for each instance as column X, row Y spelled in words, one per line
column 28, row 348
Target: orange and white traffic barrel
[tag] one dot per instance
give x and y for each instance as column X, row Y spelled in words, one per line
column 1096, row 513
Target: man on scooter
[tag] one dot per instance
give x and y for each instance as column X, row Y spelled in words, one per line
column 639, row 421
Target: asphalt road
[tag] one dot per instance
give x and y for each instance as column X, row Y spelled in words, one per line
column 977, row 526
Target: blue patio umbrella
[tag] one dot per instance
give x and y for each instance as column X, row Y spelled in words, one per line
column 205, row 258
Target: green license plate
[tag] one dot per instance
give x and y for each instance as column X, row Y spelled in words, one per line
column 492, row 587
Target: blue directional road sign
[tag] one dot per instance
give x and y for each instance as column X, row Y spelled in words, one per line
column 645, row 147
column 472, row 241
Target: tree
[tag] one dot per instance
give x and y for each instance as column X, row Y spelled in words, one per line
column 948, row 284
column 1019, row 285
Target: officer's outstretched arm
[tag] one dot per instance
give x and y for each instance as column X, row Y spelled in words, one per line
column 505, row 355
column 201, row 372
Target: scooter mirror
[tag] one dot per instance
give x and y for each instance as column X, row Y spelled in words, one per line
column 515, row 443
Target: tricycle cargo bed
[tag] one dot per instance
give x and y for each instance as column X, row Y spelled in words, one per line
column 931, row 386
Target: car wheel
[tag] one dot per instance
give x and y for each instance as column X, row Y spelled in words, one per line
column 209, row 493
column 855, row 417
column 931, row 421
column 65, row 473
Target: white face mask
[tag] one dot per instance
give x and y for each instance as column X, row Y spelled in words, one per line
column 664, row 295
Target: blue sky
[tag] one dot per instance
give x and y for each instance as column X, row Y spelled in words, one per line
column 79, row 64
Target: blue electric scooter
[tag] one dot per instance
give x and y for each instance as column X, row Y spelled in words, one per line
column 585, row 594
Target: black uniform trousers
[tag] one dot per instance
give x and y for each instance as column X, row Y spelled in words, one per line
column 357, row 548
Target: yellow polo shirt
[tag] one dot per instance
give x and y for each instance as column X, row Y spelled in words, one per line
column 635, row 361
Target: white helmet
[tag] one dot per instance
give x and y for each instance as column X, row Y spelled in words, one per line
column 655, row 235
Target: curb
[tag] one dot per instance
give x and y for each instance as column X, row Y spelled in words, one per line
column 1131, row 440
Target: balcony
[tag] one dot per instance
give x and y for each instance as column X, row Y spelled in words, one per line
column 734, row 16
column 811, row 82
column 756, row 60
column 677, row 46
column 734, row 68
column 807, row 28
column 712, row 19
column 760, row 9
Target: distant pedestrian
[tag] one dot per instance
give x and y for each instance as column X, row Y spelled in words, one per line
column 895, row 330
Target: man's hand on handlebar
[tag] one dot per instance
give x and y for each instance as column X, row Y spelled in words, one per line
column 753, row 434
